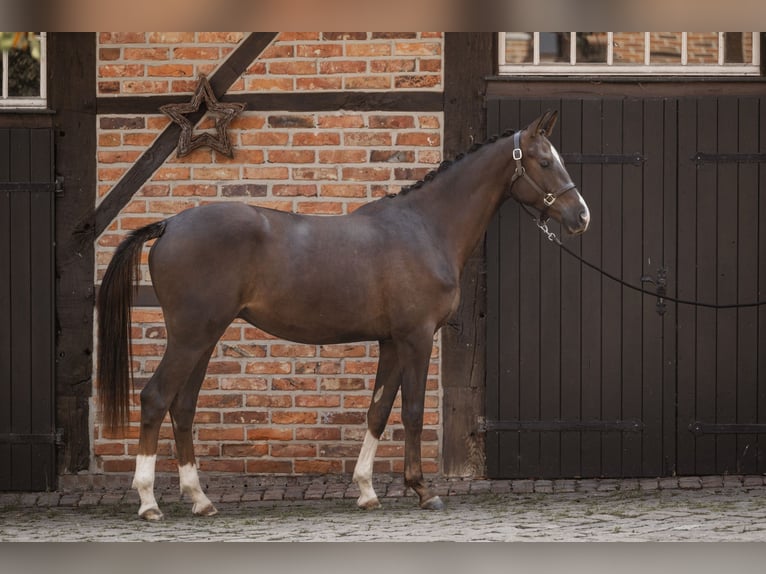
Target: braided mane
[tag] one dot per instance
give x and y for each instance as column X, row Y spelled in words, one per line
column 446, row 164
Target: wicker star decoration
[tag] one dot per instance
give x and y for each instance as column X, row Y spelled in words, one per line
column 224, row 113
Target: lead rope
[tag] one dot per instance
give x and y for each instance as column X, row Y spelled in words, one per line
column 553, row 238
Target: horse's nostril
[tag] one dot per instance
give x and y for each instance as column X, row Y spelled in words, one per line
column 584, row 216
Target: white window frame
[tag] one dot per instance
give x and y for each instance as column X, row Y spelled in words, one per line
column 41, row 101
column 572, row 67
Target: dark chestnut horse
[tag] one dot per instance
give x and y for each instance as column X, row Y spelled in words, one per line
column 389, row 272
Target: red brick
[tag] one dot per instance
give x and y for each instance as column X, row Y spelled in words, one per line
column 294, row 191
column 120, row 70
column 319, row 208
column 229, row 465
column 145, row 87
column 356, row 402
column 366, row 173
column 318, row 433
column 411, row 82
column 367, row 139
column 221, row 433
column 343, row 67
column 292, row 67
column 172, row 173
column 318, row 466
column 419, row 139
column 293, row 417
column 246, row 417
column 244, row 384
column 293, row 450
column 340, row 121
column 227, row 401
column 293, row 350
column 267, row 466
column 392, row 122
column 315, row 173
column 343, row 190
column 319, row 83
column 196, row 53
column 224, row 368
column 316, row 401
column 244, row 450
column 195, row 190
column 344, row 418
column 269, row 401
column 106, row 449
column 343, row 384
column 367, row 83
column 269, row 434
column 291, row 156
column 369, row 49
column 265, row 139
column 146, row 53
column 268, row 367
column 171, row 37
column 316, row 139
column 343, row 156
column 294, row 384
column 259, row 84
column 119, row 465
column 220, row 37
column 216, row 173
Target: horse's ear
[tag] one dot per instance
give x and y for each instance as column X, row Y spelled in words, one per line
column 546, row 122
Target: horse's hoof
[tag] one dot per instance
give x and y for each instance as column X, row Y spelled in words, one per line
column 369, row 504
column 207, row 510
column 434, row 503
column 152, row 514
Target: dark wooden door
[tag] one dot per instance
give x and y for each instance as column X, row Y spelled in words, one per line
column 587, row 377
column 27, row 427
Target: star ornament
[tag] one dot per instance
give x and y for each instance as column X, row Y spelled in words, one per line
column 224, row 113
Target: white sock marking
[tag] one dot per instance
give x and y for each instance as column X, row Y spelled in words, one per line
column 189, row 480
column 143, row 482
column 363, row 471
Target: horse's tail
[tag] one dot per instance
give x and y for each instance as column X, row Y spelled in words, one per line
column 114, row 342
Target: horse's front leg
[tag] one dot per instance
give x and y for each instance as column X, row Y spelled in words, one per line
column 415, row 357
column 387, row 383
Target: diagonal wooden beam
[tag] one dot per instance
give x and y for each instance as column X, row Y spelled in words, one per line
column 228, row 73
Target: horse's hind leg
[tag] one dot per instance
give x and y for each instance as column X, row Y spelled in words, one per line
column 386, row 386
column 182, row 415
column 172, row 374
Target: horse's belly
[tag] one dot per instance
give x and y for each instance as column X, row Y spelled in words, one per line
column 316, row 323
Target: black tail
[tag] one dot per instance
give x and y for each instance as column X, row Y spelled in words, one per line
column 114, row 342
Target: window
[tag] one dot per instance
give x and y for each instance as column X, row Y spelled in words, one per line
column 655, row 53
column 23, row 70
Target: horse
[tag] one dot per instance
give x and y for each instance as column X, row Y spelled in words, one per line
column 388, row 272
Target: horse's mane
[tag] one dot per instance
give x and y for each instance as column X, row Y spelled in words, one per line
column 446, row 164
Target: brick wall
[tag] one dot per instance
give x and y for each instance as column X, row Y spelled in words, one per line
column 270, row 406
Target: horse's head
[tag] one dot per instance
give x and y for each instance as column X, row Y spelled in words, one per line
column 541, row 180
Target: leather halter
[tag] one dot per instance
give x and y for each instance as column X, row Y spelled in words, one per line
column 548, row 198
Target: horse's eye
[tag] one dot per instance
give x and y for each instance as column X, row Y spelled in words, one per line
column 544, row 163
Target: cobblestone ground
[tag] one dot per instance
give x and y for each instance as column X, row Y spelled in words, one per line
column 702, row 509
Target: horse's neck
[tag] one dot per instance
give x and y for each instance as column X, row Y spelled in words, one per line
column 459, row 203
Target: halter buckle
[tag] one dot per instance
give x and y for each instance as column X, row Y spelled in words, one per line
column 549, row 200
column 517, row 155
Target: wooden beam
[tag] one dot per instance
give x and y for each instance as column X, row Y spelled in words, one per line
column 403, row 101
column 72, row 95
column 236, row 64
column 469, row 59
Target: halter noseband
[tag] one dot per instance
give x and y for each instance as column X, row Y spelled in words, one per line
column 548, row 198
